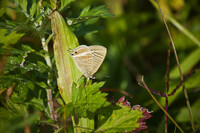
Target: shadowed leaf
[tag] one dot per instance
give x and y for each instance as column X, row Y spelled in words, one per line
column 64, row 40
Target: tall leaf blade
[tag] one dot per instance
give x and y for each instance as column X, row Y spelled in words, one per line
column 64, row 40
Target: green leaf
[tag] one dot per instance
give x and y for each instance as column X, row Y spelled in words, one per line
column 42, row 84
column 15, row 60
column 27, row 48
column 18, row 61
column 17, row 109
column 12, row 110
column 122, row 119
column 28, row 67
column 2, row 11
column 30, row 85
column 69, row 109
column 21, row 91
column 87, row 14
column 86, row 99
column 100, row 11
column 41, row 67
column 33, row 8
column 60, row 101
column 64, row 40
column 65, row 4
column 12, row 38
column 49, row 5
column 187, row 64
column 85, row 11
column 23, row 4
column 37, row 103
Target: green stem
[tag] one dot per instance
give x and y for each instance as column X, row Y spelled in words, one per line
column 49, row 80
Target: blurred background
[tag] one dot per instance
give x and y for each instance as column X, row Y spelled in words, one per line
column 137, row 43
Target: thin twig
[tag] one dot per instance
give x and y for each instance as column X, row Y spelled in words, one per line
column 154, row 91
column 166, row 117
column 48, row 39
column 50, row 104
column 144, row 84
column 27, row 126
column 175, row 89
column 168, row 68
column 49, row 80
column 167, row 88
column 181, row 82
column 9, row 91
column 179, row 68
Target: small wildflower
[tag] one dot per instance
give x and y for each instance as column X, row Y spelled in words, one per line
column 146, row 113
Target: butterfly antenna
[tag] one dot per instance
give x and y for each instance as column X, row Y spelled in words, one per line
column 100, row 76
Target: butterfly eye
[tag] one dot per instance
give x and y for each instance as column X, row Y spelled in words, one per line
column 76, row 52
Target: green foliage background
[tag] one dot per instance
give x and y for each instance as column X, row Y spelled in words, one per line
column 137, row 44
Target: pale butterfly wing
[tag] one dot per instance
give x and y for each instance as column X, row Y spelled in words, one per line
column 99, row 54
column 83, row 59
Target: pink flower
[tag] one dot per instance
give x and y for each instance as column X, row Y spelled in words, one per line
column 146, row 113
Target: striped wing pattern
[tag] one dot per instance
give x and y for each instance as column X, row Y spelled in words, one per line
column 89, row 59
column 99, row 54
column 83, row 59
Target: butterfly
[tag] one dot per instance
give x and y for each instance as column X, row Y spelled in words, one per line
column 88, row 59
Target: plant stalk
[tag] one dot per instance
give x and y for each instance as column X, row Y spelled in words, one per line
column 166, row 117
column 167, row 88
column 144, row 84
column 181, row 75
column 49, row 80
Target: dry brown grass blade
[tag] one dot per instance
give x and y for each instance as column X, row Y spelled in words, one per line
column 177, row 61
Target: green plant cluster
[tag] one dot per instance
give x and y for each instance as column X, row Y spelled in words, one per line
column 30, row 75
column 137, row 42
